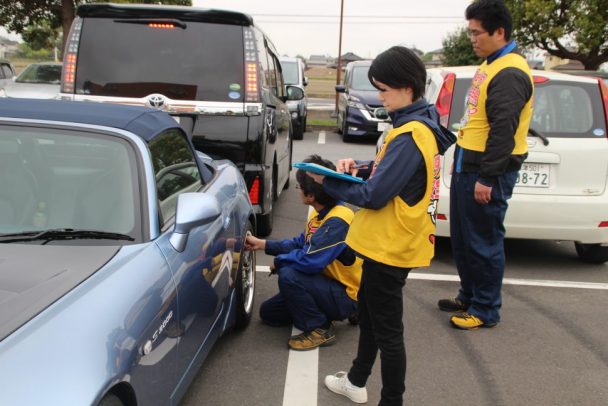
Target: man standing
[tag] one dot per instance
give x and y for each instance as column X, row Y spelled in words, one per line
column 490, row 150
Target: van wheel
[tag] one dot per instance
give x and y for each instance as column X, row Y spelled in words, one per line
column 591, row 253
column 245, row 285
column 265, row 221
column 298, row 132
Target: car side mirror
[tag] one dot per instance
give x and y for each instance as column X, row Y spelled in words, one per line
column 305, row 82
column 340, row 88
column 193, row 210
column 294, row 93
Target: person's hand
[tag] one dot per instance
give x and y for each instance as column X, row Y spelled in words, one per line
column 347, row 165
column 316, row 177
column 253, row 243
column 483, row 193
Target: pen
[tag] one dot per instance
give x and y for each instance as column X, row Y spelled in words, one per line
column 359, row 166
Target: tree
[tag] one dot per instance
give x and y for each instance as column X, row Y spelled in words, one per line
column 21, row 16
column 570, row 29
column 458, row 51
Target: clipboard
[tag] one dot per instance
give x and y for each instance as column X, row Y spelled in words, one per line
column 321, row 170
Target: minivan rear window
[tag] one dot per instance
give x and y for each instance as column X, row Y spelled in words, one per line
column 561, row 109
column 201, row 61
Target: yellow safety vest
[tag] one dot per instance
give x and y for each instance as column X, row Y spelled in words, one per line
column 474, row 129
column 347, row 275
column 398, row 234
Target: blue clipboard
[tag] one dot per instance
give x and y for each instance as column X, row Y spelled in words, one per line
column 321, row 170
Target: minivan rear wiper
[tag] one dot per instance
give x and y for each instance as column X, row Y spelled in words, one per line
column 163, row 22
column 535, row 133
column 62, row 234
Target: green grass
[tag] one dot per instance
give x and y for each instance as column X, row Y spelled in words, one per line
column 321, row 122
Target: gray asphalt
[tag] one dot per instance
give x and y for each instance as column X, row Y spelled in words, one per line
column 551, row 347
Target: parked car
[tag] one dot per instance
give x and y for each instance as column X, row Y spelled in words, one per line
column 122, row 254
column 293, row 73
column 561, row 191
column 36, row 81
column 7, row 73
column 213, row 70
column 360, row 111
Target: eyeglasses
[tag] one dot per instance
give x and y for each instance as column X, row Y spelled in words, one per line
column 475, row 33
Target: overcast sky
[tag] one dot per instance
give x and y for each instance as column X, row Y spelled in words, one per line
column 312, row 26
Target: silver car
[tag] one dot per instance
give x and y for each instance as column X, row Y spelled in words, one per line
column 36, row 81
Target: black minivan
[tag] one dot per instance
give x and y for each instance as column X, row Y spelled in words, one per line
column 213, row 70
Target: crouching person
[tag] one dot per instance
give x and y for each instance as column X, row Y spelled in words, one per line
column 319, row 275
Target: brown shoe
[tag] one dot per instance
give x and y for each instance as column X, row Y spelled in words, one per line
column 308, row 341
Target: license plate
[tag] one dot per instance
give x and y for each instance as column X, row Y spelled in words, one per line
column 533, row 175
column 383, row 126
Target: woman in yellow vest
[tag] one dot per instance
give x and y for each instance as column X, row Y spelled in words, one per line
column 394, row 231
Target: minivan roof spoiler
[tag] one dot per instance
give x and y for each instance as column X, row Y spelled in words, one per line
column 183, row 13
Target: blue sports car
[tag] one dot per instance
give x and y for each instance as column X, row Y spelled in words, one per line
column 121, row 254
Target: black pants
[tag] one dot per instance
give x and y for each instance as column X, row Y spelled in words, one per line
column 380, row 311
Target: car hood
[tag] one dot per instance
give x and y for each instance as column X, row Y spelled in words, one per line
column 366, row 96
column 32, row 90
column 32, row 277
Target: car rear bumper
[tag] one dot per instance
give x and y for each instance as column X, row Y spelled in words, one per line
column 568, row 218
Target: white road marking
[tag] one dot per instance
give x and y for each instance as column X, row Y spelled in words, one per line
column 321, row 137
column 506, row 281
column 301, row 380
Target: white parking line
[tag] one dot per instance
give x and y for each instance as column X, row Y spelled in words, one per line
column 321, row 137
column 302, row 377
column 506, row 281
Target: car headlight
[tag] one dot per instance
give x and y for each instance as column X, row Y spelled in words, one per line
column 355, row 104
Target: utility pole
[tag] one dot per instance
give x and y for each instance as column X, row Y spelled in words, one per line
column 339, row 64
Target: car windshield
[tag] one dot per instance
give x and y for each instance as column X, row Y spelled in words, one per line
column 290, row 72
column 184, row 63
column 561, row 109
column 40, row 73
column 360, row 80
column 64, row 179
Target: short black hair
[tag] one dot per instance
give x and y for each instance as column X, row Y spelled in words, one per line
column 399, row 67
column 310, row 187
column 493, row 14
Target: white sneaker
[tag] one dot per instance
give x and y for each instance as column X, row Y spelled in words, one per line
column 339, row 383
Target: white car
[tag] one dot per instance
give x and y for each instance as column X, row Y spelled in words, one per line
column 561, row 191
column 36, row 81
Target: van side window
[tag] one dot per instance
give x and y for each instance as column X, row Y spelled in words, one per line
column 175, row 170
column 280, row 84
column 262, row 58
column 272, row 74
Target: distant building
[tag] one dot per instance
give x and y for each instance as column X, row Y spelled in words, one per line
column 436, row 59
column 7, row 47
column 318, row 60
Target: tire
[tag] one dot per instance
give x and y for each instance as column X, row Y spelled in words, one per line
column 591, row 253
column 266, row 221
column 110, row 399
column 344, row 132
column 304, row 124
column 245, row 286
column 298, row 132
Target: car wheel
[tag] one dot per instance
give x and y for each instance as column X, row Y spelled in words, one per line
column 265, row 221
column 345, row 136
column 111, row 400
column 245, row 285
column 592, row 253
column 298, row 132
column 304, row 124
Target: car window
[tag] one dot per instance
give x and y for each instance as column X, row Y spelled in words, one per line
column 360, row 81
column 272, row 73
column 263, row 59
column 7, row 72
column 40, row 74
column 290, row 72
column 560, row 109
column 117, row 58
column 67, row 179
column 175, row 171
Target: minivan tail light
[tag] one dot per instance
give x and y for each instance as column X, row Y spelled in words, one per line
column 161, row 25
column 444, row 101
column 254, row 191
column 68, row 74
column 251, row 66
column 540, row 79
column 604, row 91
